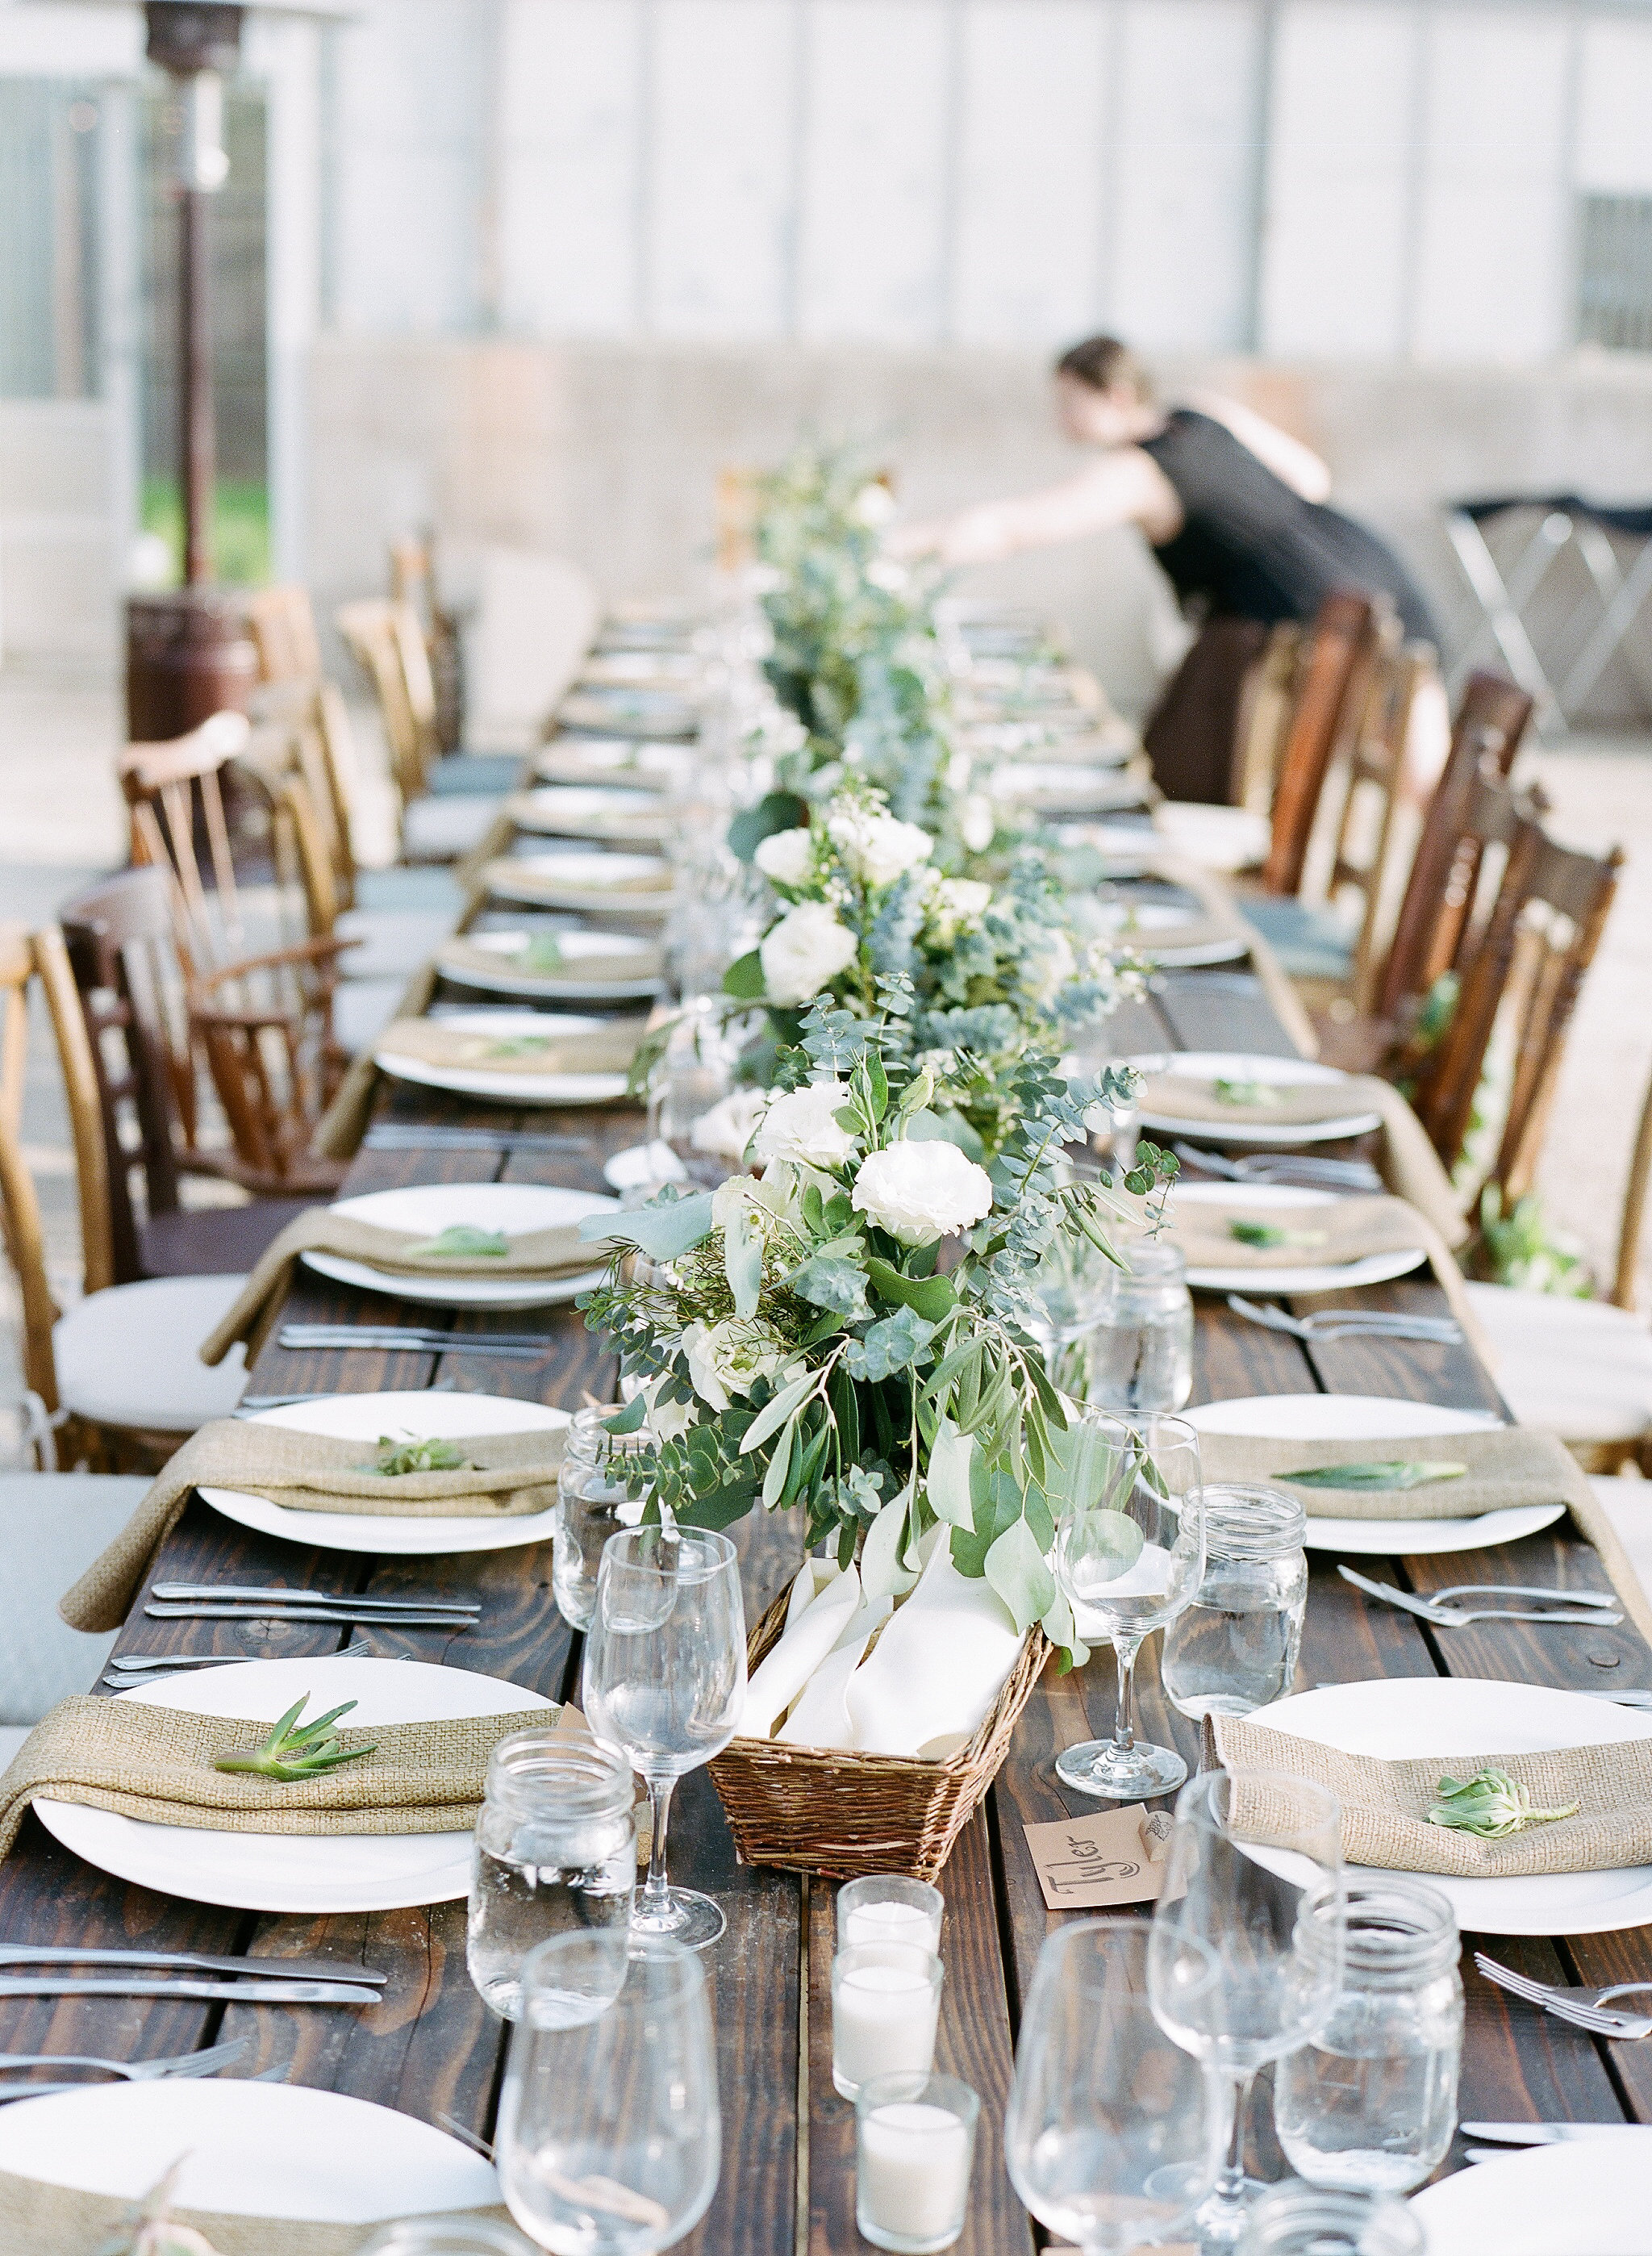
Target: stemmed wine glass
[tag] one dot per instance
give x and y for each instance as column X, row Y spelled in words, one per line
column 1130, row 1555
column 610, row 2137
column 1112, row 2136
column 1253, row 1883
column 666, row 1680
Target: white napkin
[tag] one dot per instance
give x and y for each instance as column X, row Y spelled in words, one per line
column 824, row 1601
column 821, row 1718
column 937, row 1668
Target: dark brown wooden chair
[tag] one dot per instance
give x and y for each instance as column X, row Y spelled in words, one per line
column 1329, row 697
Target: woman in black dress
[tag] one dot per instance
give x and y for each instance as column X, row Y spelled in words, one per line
column 1235, row 513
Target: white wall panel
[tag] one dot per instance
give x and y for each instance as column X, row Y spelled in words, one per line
column 1335, row 240
column 1028, row 262
column 569, row 98
column 1186, row 172
column 720, row 167
column 874, row 169
column 1614, row 123
column 1492, row 278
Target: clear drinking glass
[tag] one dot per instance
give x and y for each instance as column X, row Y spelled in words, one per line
column 914, row 2142
column 665, row 1679
column 695, row 1073
column 1129, row 1554
column 1113, row 2135
column 447, row 2236
column 1255, row 1858
column 1304, row 2220
column 600, row 1489
column 555, row 1849
column 1138, row 1354
column 1370, row 2103
column 1235, row 1647
column 609, row 2138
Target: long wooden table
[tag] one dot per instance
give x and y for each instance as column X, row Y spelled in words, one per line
column 432, row 2049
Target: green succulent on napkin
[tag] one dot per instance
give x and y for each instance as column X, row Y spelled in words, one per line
column 519, row 1046
column 543, row 953
column 1253, row 1093
column 1378, row 1473
column 294, row 1753
column 461, row 1241
column 152, row 2232
column 1270, row 1233
column 410, row 1457
column 1491, row 1804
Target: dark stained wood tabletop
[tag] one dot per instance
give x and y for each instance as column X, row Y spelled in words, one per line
column 432, row 2049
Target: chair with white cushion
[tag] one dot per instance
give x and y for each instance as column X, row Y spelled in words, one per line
column 52, row 1526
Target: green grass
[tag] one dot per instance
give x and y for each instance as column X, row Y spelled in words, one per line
column 241, row 527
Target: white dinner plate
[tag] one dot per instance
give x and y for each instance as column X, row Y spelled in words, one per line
column 1582, row 2198
column 643, row 1163
column 1237, row 1065
column 512, row 1208
column 508, row 1088
column 424, row 1416
column 295, row 1872
column 1401, row 1719
column 566, row 985
column 1375, row 1417
column 266, row 2150
column 593, row 811
column 1148, row 929
column 1326, row 1277
column 572, row 877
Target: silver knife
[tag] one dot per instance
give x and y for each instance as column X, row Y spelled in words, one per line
column 295, row 1969
column 247, row 1592
column 412, row 1617
column 231, row 1993
column 1544, row 2134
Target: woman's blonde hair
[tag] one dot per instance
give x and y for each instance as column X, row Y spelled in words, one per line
column 1105, row 365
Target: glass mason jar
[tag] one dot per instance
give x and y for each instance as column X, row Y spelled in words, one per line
column 601, row 1488
column 1234, row 1648
column 1306, row 2220
column 1370, row 2105
column 1139, row 1353
column 555, row 1849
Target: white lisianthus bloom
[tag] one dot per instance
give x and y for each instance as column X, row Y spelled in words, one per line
column 802, row 1127
column 785, row 855
column 1048, row 970
column 874, row 504
column 956, row 902
column 725, row 1359
column 920, row 1192
column 876, row 847
column 977, row 822
column 666, row 1421
column 959, row 768
column 807, row 949
column 725, row 1130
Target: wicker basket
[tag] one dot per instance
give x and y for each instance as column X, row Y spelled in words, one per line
column 826, row 1810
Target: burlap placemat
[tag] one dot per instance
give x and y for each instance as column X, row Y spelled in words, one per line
column 156, row 1764
column 462, row 958
column 47, row 2220
column 1384, row 1804
column 544, row 1254
column 510, row 1476
column 1408, row 1162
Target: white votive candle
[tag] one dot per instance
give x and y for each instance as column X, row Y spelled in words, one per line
column 891, row 1909
column 915, row 2139
column 885, row 2005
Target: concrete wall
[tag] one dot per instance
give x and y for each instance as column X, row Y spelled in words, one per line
column 607, row 453
column 60, row 537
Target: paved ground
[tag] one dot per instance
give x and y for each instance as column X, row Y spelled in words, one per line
column 61, row 821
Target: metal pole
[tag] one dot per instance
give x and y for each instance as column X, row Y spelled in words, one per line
column 197, row 437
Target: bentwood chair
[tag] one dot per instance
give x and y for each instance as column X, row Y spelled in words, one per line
column 283, row 625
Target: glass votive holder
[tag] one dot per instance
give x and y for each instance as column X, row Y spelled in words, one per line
column 602, row 1487
column 1304, row 2220
column 886, row 2001
column 1234, row 1648
column 447, row 2236
column 914, row 2142
column 887, row 1907
column 1139, row 1351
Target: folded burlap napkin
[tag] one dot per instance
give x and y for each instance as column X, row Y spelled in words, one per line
column 460, row 955
column 1407, row 1162
column 569, row 875
column 607, row 1048
column 532, row 1253
column 156, row 1764
column 509, row 1476
column 1384, row 1804
column 50, row 2220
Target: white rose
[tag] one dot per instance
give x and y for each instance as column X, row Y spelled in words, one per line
column 876, row 847
column 874, row 504
column 724, row 1359
column 959, row 768
column 1049, row 971
column 800, row 1126
column 920, row 1192
column 977, row 822
column 785, row 857
column 806, row 949
column 725, row 1130
column 666, row 1421
column 956, row 902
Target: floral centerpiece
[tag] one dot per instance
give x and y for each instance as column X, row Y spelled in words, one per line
column 799, row 1342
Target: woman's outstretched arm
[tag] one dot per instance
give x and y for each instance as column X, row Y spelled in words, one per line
column 1126, row 487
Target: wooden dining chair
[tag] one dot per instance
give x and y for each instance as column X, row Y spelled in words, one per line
column 116, row 1377
column 281, row 621
column 1331, row 679
column 1265, row 703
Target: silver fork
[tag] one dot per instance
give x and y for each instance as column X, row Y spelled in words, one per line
column 1331, row 1174
column 135, row 2072
column 1590, row 1615
column 1352, row 1323
column 1584, row 2009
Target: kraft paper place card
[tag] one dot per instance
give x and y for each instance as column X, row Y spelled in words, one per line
column 1117, row 1857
